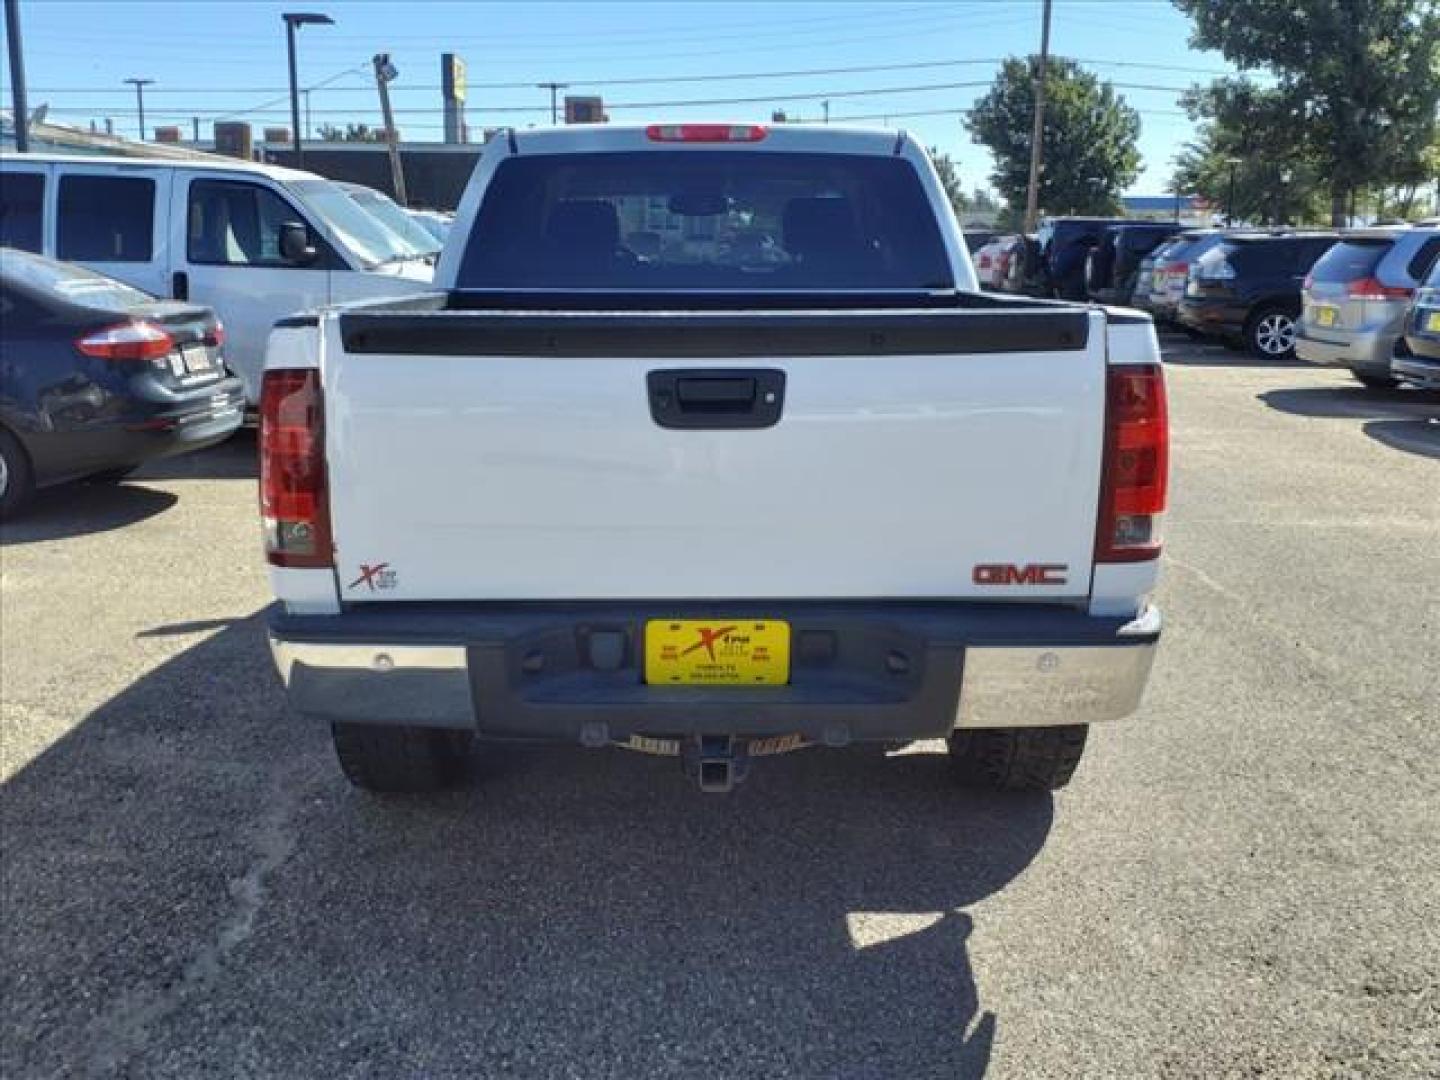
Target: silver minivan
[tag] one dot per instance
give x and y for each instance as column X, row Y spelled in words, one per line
column 1357, row 296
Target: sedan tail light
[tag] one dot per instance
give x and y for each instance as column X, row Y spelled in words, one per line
column 1371, row 289
column 138, row 339
column 1135, row 472
column 294, row 495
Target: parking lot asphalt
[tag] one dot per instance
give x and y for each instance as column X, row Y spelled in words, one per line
column 1242, row 880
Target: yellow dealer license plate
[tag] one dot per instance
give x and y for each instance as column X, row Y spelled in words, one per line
column 1325, row 316
column 717, row 652
column 1432, row 322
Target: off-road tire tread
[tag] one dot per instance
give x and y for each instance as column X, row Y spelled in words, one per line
column 386, row 758
column 1017, row 759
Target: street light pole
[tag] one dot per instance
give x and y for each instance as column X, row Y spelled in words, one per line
column 1230, row 197
column 554, row 88
column 293, row 21
column 140, row 85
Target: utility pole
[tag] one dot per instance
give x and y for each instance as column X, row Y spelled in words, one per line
column 195, row 127
column 140, row 85
column 1037, row 132
column 554, row 88
column 306, row 94
column 826, row 106
column 17, row 76
column 384, row 72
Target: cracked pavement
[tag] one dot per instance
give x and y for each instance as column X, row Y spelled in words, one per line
column 1243, row 880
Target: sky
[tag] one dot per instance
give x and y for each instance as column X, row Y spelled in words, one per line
column 225, row 59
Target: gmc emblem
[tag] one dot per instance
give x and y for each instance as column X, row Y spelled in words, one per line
column 1029, row 574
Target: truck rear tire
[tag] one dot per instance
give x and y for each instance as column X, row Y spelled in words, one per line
column 1017, row 759
column 401, row 759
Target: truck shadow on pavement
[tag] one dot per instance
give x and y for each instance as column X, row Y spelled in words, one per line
column 191, row 889
column 79, row 509
column 1402, row 419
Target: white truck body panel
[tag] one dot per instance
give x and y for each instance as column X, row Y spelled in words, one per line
column 513, row 507
column 494, row 477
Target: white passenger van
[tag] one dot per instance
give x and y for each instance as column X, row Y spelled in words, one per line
column 255, row 242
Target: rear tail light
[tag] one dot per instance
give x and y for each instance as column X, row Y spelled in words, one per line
column 216, row 337
column 294, row 501
column 705, row 132
column 135, row 340
column 1136, row 466
column 1371, row 289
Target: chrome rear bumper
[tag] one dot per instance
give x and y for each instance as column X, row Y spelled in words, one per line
column 893, row 675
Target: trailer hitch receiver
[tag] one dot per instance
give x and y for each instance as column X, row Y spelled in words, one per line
column 716, row 762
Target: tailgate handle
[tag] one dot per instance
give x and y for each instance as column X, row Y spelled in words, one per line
column 714, row 398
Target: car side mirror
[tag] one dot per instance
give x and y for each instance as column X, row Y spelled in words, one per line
column 295, row 246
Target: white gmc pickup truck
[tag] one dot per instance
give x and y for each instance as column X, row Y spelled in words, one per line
column 708, row 446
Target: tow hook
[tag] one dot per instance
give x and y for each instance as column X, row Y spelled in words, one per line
column 716, row 762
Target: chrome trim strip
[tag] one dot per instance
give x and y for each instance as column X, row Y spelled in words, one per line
column 376, row 659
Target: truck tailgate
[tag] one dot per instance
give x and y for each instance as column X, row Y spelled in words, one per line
column 484, row 455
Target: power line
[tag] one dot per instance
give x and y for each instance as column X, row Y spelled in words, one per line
column 286, row 96
column 657, row 80
column 774, row 96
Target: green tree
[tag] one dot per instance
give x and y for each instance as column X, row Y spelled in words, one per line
column 1250, row 131
column 950, row 180
column 981, row 201
column 1360, row 77
column 350, row 133
column 1089, row 140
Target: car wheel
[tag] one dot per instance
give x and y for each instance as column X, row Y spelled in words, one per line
column 1376, row 382
column 17, row 478
column 1271, row 334
column 1017, row 759
column 380, row 757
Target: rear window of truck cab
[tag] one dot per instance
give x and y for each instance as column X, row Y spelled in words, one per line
column 723, row 220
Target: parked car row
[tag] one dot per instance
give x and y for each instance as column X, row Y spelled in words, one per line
column 97, row 378
column 254, row 242
column 1351, row 299
column 1362, row 297
column 1072, row 258
column 136, row 298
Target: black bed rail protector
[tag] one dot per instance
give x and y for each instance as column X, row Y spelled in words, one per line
column 714, row 334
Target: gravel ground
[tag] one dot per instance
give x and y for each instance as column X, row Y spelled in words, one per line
column 1244, row 880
